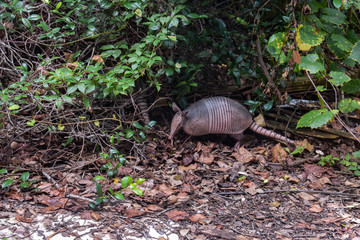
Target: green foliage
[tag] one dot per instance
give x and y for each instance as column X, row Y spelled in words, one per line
column 328, row 43
column 347, row 161
column 312, row 63
column 299, row 149
column 111, row 169
column 117, row 66
column 316, row 118
column 24, row 180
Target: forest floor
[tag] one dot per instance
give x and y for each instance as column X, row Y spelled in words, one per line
column 198, row 189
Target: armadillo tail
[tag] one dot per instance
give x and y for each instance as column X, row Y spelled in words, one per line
column 263, row 131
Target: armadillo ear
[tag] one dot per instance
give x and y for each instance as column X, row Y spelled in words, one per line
column 175, row 107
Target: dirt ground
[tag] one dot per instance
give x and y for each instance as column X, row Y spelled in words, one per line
column 196, row 189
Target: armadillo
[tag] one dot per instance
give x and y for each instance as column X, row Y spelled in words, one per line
column 218, row 115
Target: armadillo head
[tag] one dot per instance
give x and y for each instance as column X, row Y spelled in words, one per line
column 177, row 122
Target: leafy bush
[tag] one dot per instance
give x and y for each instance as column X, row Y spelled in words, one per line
column 330, row 49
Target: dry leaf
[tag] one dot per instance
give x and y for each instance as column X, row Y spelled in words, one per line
column 153, row 208
column 251, row 187
column 206, row 158
column 314, row 169
column 95, row 216
column 133, row 213
column 197, row 217
column 172, row 199
column 296, row 57
column 176, row 215
column 325, row 180
column 98, row 59
column 242, row 155
column 316, row 208
column 275, row 204
column 306, row 196
column 23, row 219
column 187, row 168
column 278, row 154
column 165, row 190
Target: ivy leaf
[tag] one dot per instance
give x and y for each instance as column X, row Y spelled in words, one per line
column 338, row 78
column 137, row 125
column 311, row 35
column 6, row 183
column 126, row 181
column 98, row 189
column 355, row 52
column 119, row 196
column 98, row 178
column 333, row 16
column 310, row 62
column 25, row 176
column 14, row 107
column 337, row 3
column 353, row 86
column 342, row 42
column 137, row 191
column 276, row 42
column 316, row 118
column 348, row 105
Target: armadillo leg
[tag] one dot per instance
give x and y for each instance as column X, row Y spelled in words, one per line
column 238, row 138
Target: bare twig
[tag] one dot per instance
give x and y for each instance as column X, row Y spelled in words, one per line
column 264, row 69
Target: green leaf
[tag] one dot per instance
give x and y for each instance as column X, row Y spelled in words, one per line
column 333, row 16
column 98, row 189
column 355, row 52
column 142, row 135
column 338, row 78
column 81, row 87
column 25, row 176
column 67, row 99
column 193, row 15
column 140, row 181
column 129, row 134
column 268, row 105
column 353, row 86
column 299, row 149
column 137, row 191
column 348, row 105
column 126, row 181
column 119, row 196
column 86, row 102
column 31, row 123
column 7, row 183
column 107, row 47
column 3, row 170
column 342, row 42
column 98, row 178
column 137, row 125
column 275, row 44
column 316, row 118
column 310, row 62
column 14, row 107
column 26, row 22
column 311, row 35
column 34, row 17
column 337, row 3
column 356, row 154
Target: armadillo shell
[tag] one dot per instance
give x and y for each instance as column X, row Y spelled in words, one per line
column 216, row 115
